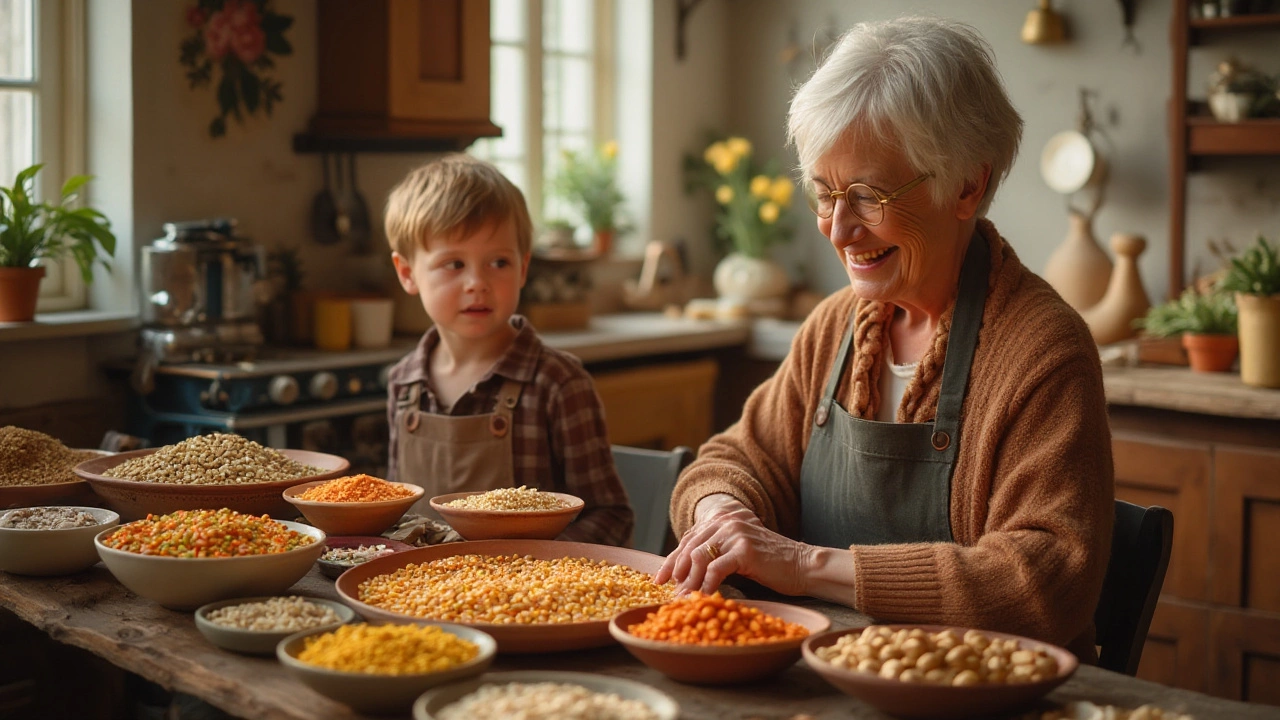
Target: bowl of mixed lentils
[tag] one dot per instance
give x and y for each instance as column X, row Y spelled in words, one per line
column 256, row 625
column 51, row 540
column 220, row 470
column 37, row 469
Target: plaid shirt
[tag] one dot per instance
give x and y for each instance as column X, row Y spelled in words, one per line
column 558, row 438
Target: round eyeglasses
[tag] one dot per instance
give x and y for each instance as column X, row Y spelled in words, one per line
column 866, row 202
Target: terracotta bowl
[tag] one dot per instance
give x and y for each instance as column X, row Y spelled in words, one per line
column 351, row 518
column 258, row 642
column 437, row 699
column 512, row 638
column 943, row 702
column 53, row 552
column 507, row 524
column 334, row 569
column 76, row 492
column 381, row 694
column 715, row 665
column 188, row 583
column 134, row 499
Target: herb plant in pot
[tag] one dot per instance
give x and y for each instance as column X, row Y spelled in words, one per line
column 1207, row 324
column 32, row 231
column 1254, row 277
column 588, row 182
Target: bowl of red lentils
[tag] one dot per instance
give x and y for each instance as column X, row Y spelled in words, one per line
column 508, row 513
column 255, row 626
column 380, row 669
column 51, row 540
column 713, row 640
column 188, row 558
column 353, row 505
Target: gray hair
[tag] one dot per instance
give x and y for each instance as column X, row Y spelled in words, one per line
column 929, row 85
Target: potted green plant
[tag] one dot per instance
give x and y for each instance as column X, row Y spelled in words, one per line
column 1207, row 324
column 589, row 183
column 1254, row 277
column 32, row 231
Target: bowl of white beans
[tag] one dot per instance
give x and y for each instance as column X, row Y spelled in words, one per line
column 545, row 695
column 256, row 625
column 51, row 540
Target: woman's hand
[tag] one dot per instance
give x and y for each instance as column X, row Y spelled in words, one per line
column 728, row 538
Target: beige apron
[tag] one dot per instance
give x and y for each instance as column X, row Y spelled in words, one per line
column 447, row 454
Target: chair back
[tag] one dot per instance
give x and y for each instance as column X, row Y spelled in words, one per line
column 1140, row 548
column 649, row 476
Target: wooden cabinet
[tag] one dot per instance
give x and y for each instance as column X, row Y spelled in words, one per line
column 1246, row 529
column 659, row 406
column 1246, row 656
column 1177, row 649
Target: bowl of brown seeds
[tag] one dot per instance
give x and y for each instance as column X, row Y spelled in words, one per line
column 37, row 469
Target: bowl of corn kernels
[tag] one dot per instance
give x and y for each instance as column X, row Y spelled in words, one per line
column 508, row 513
column 256, row 625
column 710, row 640
column 381, row 669
column 353, row 505
column 935, row 671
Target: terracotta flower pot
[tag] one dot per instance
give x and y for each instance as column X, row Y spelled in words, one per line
column 19, row 289
column 1211, row 353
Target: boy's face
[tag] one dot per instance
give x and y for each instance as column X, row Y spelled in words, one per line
column 469, row 284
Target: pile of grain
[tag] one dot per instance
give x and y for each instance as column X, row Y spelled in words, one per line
column 28, row 457
column 217, row 459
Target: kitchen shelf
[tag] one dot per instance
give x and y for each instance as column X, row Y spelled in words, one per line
column 1255, row 136
column 392, row 138
column 1228, row 24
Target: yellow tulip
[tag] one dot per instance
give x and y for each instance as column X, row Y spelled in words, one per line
column 714, row 151
column 724, row 194
column 760, row 186
column 739, row 146
column 726, row 163
column 781, row 191
column 610, row 149
column 769, row 213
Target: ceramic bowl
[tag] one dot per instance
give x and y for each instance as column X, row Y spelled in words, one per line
column 258, row 642
column 514, row 637
column 715, row 665
column 351, row 518
column 943, row 702
column 437, row 699
column 507, row 524
column 53, row 552
column 188, row 583
column 135, row 499
column 379, row 694
column 76, row 492
column 334, row 569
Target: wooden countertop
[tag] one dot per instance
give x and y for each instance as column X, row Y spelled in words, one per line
column 93, row 611
column 629, row 335
column 1178, row 388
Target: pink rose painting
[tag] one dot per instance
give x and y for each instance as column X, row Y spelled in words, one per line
column 235, row 40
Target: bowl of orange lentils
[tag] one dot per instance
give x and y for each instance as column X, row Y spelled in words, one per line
column 353, row 505
column 712, row 640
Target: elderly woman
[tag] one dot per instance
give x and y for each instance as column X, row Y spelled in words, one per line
column 935, row 447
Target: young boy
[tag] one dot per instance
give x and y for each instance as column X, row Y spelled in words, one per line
column 481, row 403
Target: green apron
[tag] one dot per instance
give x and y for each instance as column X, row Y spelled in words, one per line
column 865, row 482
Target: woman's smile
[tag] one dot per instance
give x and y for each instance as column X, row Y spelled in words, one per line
column 868, row 259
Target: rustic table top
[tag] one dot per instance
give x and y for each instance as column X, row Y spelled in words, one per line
column 93, row 611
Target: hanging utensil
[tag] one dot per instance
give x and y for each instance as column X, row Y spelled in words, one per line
column 324, row 210
column 342, row 222
column 359, row 213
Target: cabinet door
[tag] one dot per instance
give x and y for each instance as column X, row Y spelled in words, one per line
column 438, row 52
column 1177, row 648
column 1246, row 656
column 1175, row 475
column 660, row 406
column 1246, row 528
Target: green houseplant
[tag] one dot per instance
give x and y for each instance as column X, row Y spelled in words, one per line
column 1254, row 277
column 1206, row 324
column 589, row 183
column 32, row 231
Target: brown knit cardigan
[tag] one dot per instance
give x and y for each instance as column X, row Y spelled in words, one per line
column 1032, row 491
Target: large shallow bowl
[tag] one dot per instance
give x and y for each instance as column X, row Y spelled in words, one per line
column 333, row 570
column 259, row 642
column 188, row 583
column 437, row 699
column 351, row 518
column 76, row 492
column 943, row 702
column 135, row 499
column 507, row 524
column 53, row 552
column 377, row 694
column 511, row 638
column 719, row 665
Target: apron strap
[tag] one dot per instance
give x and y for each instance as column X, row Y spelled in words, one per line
column 508, row 398
column 833, row 380
column 408, row 405
column 963, row 341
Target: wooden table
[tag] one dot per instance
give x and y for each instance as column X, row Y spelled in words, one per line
column 92, row 611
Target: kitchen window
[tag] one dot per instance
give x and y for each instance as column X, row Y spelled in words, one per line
column 551, row 89
column 42, row 113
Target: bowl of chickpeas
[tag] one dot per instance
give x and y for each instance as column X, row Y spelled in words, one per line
column 508, row 513
column 935, row 671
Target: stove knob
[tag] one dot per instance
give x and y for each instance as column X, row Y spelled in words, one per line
column 323, row 386
column 283, row 390
column 354, row 386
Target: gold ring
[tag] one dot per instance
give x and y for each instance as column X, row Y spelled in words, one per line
column 713, row 550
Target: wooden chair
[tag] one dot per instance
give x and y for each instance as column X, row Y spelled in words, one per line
column 649, row 476
column 1140, row 549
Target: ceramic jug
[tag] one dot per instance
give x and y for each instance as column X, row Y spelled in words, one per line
column 1125, row 300
column 1079, row 269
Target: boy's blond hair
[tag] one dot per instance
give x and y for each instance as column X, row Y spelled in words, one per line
column 454, row 196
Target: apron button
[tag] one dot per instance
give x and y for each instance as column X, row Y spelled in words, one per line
column 820, row 417
column 498, row 426
column 411, row 421
column 940, row 440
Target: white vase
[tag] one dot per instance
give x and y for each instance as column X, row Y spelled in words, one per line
column 747, row 279
column 1229, row 106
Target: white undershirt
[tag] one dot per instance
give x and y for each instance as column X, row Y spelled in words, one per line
column 893, row 385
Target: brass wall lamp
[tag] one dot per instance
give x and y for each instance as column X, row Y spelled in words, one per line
column 1044, row 26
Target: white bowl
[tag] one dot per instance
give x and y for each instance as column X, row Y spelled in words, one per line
column 188, row 583
column 53, row 552
column 439, row 698
column 259, row 642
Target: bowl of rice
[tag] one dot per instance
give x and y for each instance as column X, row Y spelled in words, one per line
column 51, row 540
column 256, row 625
column 521, row 513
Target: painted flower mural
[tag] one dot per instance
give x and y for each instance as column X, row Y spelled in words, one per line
column 230, row 48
